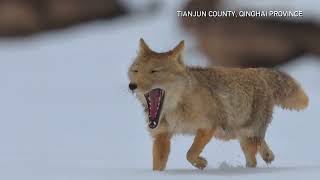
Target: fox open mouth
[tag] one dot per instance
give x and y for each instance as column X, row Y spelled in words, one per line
column 155, row 99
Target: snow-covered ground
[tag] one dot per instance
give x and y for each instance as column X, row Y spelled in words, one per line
column 66, row 113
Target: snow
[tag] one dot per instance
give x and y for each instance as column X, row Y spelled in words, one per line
column 66, row 112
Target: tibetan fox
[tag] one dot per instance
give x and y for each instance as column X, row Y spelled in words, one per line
column 225, row 103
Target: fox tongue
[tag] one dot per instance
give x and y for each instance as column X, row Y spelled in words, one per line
column 155, row 96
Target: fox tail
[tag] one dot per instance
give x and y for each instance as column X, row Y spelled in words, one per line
column 286, row 92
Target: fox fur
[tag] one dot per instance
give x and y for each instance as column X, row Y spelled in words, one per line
column 225, row 103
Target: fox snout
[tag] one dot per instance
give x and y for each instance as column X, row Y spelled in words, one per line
column 132, row 86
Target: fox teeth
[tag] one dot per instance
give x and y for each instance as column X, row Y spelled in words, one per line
column 152, row 122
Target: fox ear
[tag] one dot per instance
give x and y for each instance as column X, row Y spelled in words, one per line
column 143, row 47
column 179, row 48
column 177, row 52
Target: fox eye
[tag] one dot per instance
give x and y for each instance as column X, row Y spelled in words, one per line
column 134, row 70
column 155, row 70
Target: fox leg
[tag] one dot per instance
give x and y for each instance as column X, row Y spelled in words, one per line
column 201, row 139
column 161, row 149
column 249, row 146
column 265, row 152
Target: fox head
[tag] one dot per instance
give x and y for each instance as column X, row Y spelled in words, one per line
column 156, row 78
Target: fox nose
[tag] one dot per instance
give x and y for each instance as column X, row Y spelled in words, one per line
column 132, row 86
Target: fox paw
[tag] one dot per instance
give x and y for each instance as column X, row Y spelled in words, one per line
column 267, row 156
column 199, row 163
column 251, row 164
column 158, row 169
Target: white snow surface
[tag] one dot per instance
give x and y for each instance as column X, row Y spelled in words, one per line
column 66, row 112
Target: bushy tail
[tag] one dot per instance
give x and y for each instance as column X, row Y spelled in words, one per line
column 287, row 93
